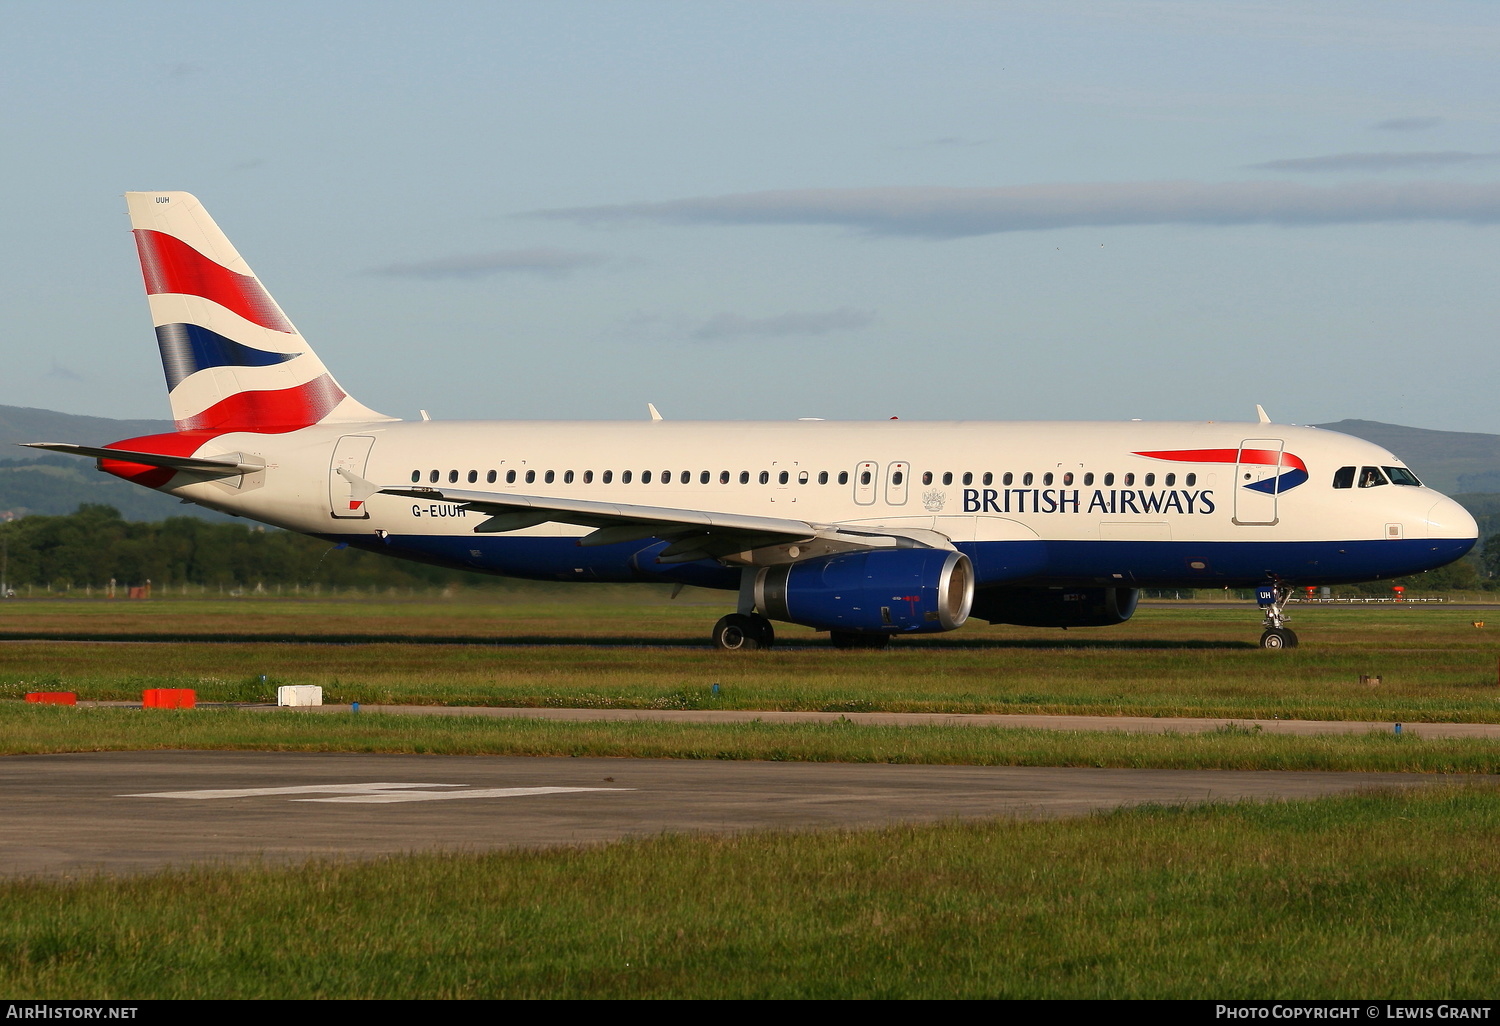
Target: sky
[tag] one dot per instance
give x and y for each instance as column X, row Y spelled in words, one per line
column 759, row 210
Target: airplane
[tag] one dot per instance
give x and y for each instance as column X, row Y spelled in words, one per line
column 863, row 530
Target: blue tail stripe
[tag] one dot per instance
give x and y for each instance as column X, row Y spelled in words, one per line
column 189, row 348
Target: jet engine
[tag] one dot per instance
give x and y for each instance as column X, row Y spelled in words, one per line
column 880, row 591
column 1057, row 607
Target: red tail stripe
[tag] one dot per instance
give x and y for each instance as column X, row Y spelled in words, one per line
column 170, row 265
column 274, row 412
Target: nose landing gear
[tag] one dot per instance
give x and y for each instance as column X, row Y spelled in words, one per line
column 1272, row 598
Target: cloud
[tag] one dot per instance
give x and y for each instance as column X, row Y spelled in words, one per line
column 724, row 326
column 1375, row 161
column 1407, row 124
column 549, row 262
column 948, row 213
column 62, row 373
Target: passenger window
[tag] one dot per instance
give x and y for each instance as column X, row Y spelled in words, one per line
column 802, row 477
column 625, row 476
column 765, row 477
column 473, row 476
column 781, row 478
column 1088, row 479
column 1047, row 478
column 433, row 477
column 1343, row 477
column 968, row 477
column 1026, row 478
column 1109, row 479
column 1171, row 480
column 703, row 478
column 1068, row 478
column 988, row 479
column 927, row 477
column 567, row 477
column 1192, row 479
column 1129, row 479
column 416, row 475
column 666, row 477
column 1009, row 479
column 490, row 477
column 687, row 477
column 723, row 477
column 588, row 477
column 607, row 477
column 453, row 477
column 744, row 477
column 530, row 476
column 864, row 477
column 897, row 478
column 645, row 477
column 551, row 476
column 510, row 477
column 1150, row 480
column 843, row 477
column 822, row 477
column 1371, row 477
column 1401, row 476
column 948, row 478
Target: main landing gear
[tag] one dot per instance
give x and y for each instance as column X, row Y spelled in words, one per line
column 742, row 632
column 1273, row 598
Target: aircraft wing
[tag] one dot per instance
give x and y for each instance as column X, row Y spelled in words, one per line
column 694, row 534
column 198, row 464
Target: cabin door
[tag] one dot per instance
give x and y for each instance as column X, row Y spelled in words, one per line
column 352, row 453
column 1256, row 479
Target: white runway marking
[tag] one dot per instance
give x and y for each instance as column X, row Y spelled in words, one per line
column 438, row 796
column 370, row 794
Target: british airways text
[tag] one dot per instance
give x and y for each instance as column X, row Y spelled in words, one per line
column 1072, row 500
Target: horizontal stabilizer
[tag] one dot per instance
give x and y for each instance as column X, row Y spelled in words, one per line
column 197, row 464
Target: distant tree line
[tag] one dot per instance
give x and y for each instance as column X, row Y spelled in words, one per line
column 91, row 547
column 88, row 548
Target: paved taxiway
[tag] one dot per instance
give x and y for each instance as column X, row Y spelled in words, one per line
column 120, row 812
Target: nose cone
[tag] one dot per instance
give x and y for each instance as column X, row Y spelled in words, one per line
column 1447, row 519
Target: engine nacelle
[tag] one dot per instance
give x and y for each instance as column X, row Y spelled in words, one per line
column 881, row 591
column 1057, row 607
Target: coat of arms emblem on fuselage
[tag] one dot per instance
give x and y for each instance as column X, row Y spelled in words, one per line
column 933, row 500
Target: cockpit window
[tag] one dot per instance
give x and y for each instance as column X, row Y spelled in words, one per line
column 1402, row 476
column 1371, row 477
column 1343, row 477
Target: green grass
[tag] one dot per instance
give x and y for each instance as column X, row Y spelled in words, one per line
column 1375, row 897
column 32, row 729
column 1168, row 661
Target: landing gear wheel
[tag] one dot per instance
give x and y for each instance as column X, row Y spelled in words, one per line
column 1279, row 637
column 848, row 639
column 742, row 632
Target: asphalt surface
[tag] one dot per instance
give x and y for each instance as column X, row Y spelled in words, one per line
column 129, row 812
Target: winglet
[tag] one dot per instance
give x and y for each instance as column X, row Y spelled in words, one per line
column 1260, row 411
column 651, row 408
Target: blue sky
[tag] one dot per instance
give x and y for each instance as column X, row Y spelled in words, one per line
column 771, row 210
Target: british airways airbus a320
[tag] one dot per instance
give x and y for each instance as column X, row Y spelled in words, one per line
column 864, row 530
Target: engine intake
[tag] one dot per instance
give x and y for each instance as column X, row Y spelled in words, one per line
column 1057, row 607
column 893, row 591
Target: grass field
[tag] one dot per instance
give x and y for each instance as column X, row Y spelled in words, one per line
column 1370, row 897
column 34, row 729
column 648, row 653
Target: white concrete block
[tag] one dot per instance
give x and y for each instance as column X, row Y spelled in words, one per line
column 299, row 694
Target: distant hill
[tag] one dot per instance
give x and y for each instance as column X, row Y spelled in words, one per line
column 1450, row 461
column 33, row 481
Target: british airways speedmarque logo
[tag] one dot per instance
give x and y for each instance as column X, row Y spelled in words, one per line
column 1294, row 471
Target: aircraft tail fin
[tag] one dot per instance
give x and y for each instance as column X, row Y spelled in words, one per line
column 233, row 360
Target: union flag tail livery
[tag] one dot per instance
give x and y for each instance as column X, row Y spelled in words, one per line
column 863, row 530
column 232, row 358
